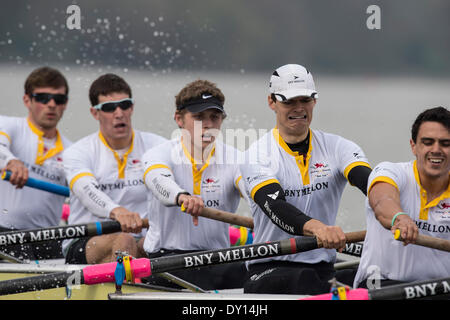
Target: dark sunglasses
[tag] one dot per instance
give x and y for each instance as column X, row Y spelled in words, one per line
column 46, row 97
column 111, row 106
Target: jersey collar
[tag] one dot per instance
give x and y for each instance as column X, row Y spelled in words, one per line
column 302, row 163
column 196, row 173
column 41, row 156
column 424, row 206
column 121, row 163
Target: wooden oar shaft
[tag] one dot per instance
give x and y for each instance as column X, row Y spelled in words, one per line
column 428, row 241
column 228, row 217
column 42, row 185
column 101, row 273
column 60, row 232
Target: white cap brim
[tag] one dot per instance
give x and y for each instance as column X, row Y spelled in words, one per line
column 294, row 93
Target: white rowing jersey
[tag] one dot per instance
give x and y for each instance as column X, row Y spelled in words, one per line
column 313, row 184
column 384, row 257
column 215, row 181
column 117, row 176
column 30, row 208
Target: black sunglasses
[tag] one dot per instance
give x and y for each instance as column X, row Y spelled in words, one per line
column 111, row 106
column 46, row 97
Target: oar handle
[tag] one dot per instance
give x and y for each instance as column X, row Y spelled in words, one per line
column 228, row 217
column 41, row 185
column 427, row 241
column 351, row 237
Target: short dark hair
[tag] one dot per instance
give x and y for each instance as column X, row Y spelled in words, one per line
column 436, row 114
column 107, row 84
column 45, row 77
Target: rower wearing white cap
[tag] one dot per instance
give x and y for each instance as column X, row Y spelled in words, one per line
column 196, row 170
column 413, row 197
column 104, row 171
column 295, row 176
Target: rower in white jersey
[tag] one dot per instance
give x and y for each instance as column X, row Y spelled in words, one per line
column 196, row 170
column 295, row 176
column 104, row 171
column 413, row 197
column 32, row 147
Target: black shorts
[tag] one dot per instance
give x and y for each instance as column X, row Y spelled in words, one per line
column 51, row 249
column 222, row 276
column 77, row 252
column 284, row 277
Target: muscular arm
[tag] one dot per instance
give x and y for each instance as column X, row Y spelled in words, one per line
column 384, row 199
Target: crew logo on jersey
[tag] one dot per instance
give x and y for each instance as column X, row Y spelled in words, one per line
column 135, row 165
column 320, row 170
column 443, row 209
column 211, row 184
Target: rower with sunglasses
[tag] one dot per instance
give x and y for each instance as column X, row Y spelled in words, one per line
column 32, row 147
column 104, row 171
column 295, row 176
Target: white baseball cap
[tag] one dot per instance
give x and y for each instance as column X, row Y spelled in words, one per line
column 290, row 81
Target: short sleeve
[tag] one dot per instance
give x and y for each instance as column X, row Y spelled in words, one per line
column 349, row 155
column 256, row 171
column 77, row 163
column 387, row 172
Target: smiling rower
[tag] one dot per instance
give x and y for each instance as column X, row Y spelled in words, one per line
column 413, row 197
column 293, row 157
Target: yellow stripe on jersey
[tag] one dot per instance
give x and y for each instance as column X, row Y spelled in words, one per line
column 197, row 174
column 354, row 164
column 78, row 176
column 424, row 206
column 155, row 166
column 262, row 184
column 121, row 163
column 6, row 135
column 237, row 185
column 302, row 164
column 382, row 179
column 40, row 156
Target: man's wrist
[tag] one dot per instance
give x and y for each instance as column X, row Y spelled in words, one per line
column 178, row 196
